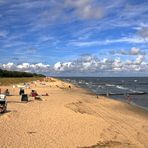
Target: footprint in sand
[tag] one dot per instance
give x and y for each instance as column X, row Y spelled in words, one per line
column 80, row 107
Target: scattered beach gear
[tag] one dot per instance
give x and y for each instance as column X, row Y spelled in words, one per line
column 45, row 94
column 3, row 103
column 20, row 86
column 21, row 92
column 24, row 97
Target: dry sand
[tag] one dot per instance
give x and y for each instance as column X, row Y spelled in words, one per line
column 70, row 118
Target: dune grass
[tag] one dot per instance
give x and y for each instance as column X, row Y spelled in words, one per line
column 10, row 81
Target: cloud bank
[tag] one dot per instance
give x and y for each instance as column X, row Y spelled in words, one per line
column 88, row 65
column 27, row 67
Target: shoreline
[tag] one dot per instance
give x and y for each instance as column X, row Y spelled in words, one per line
column 93, row 93
column 71, row 117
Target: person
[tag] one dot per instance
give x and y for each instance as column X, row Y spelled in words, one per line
column 7, row 92
column 129, row 98
column 34, row 93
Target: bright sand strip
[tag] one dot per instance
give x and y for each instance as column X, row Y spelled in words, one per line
column 71, row 118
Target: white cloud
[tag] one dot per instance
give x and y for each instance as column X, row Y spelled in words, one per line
column 132, row 51
column 117, row 64
column 23, row 66
column 39, row 67
column 143, row 32
column 57, row 66
column 85, row 9
column 91, row 64
column 88, row 12
column 139, row 59
column 8, row 66
column 77, row 3
column 87, row 64
column 136, row 40
column 135, row 51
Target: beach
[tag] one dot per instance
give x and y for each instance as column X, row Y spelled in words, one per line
column 70, row 117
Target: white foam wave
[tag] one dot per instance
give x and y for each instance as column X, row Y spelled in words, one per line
column 121, row 87
column 109, row 84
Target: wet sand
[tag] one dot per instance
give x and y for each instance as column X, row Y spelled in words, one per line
column 70, row 118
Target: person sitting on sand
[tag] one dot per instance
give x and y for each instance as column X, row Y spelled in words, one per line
column 34, row 93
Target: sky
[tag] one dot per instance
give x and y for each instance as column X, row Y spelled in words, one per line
column 75, row 37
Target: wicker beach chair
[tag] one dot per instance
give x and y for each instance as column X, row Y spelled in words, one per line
column 3, row 103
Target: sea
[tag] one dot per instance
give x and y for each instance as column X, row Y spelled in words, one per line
column 126, row 89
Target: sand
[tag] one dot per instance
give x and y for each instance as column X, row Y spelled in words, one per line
column 70, row 118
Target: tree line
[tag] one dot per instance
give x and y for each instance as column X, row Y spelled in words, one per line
column 6, row 73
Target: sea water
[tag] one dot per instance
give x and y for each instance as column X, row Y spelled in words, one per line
column 118, row 87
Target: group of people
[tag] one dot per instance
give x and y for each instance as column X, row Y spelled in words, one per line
column 21, row 92
column 32, row 94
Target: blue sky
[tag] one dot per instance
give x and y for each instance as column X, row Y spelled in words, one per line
column 75, row 37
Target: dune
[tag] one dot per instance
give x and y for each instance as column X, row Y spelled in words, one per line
column 70, row 118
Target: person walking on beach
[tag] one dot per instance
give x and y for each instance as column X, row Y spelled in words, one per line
column 129, row 98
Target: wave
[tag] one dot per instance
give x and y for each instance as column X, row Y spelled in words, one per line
column 110, row 85
column 121, row 87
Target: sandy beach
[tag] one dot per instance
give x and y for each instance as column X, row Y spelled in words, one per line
column 70, row 118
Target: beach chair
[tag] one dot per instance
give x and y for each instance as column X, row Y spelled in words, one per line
column 3, row 103
column 24, row 97
column 21, row 92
